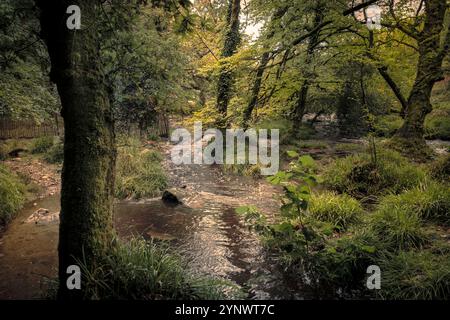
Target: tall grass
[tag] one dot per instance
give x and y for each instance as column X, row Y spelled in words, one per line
column 429, row 202
column 340, row 210
column 138, row 172
column 12, row 195
column 141, row 270
column 415, row 275
column 360, row 176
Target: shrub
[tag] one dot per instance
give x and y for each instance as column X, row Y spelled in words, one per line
column 386, row 126
column 42, row 144
column 359, row 176
column 141, row 270
column 12, row 196
column 398, row 228
column 139, row 173
column 3, row 151
column 440, row 169
column 340, row 210
column 429, row 202
column 55, row 154
column 415, row 275
column 284, row 125
column 437, row 125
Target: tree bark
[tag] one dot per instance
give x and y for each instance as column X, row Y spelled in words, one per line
column 86, row 225
column 302, row 95
column 232, row 39
column 260, row 70
column 429, row 71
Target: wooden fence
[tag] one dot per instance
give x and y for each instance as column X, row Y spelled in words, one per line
column 18, row 129
column 23, row 129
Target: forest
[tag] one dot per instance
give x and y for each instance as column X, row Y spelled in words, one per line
column 349, row 101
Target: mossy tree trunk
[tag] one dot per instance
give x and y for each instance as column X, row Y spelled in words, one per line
column 253, row 102
column 232, row 39
column 308, row 74
column 429, row 71
column 86, row 226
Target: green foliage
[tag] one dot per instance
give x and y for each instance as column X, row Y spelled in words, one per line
column 398, row 228
column 56, row 153
column 386, row 126
column 12, row 195
column 284, row 125
column 339, row 210
column 42, row 145
column 440, row 169
column 139, row 173
column 428, row 202
column 359, row 175
column 415, row 275
column 140, row 270
column 437, row 124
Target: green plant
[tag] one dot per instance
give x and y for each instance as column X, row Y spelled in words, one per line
column 56, row 153
column 42, row 144
column 339, row 210
column 141, row 270
column 415, row 275
column 437, row 124
column 440, row 169
column 430, row 201
column 398, row 228
column 12, row 195
column 387, row 125
column 360, row 176
column 139, row 173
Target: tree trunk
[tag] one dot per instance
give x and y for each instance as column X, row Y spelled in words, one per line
column 302, row 95
column 260, row 71
column 429, row 71
column 256, row 88
column 232, row 39
column 86, row 225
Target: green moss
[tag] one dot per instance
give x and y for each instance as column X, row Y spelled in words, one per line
column 12, row 195
column 55, row 154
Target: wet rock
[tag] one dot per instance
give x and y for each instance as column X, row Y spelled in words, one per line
column 172, row 196
column 42, row 216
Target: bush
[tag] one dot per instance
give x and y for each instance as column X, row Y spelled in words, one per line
column 386, row 126
column 42, row 145
column 429, row 202
column 415, row 275
column 359, row 176
column 437, row 125
column 141, row 270
column 440, row 169
column 139, row 173
column 12, row 195
column 340, row 210
column 398, row 228
column 55, row 154
column 284, row 125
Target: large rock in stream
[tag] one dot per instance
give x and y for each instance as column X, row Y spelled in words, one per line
column 173, row 196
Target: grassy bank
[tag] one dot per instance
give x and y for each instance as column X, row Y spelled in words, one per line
column 328, row 235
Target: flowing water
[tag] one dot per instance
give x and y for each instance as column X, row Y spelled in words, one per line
column 205, row 228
